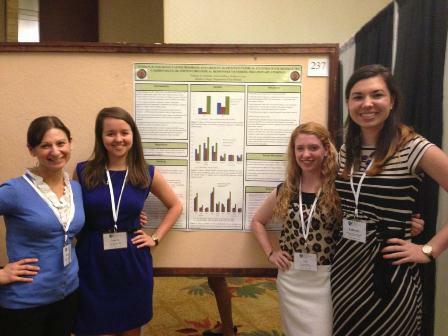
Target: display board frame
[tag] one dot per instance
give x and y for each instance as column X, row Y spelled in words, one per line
column 83, row 52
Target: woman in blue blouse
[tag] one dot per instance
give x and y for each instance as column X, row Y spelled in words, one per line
column 43, row 211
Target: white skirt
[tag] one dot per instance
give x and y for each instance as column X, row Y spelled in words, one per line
column 305, row 302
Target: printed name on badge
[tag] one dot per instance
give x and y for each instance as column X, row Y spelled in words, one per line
column 305, row 262
column 67, row 255
column 115, row 240
column 354, row 230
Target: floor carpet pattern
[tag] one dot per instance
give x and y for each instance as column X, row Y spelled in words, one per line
column 186, row 306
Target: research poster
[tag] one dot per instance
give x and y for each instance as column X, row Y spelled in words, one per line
column 218, row 134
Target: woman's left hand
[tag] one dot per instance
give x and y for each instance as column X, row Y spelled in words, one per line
column 142, row 239
column 417, row 224
column 404, row 251
column 143, row 219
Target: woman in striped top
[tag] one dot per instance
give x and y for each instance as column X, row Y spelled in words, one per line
column 375, row 281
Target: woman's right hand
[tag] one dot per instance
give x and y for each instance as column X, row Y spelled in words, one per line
column 16, row 271
column 281, row 259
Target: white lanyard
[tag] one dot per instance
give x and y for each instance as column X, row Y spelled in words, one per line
column 55, row 211
column 115, row 209
column 358, row 188
column 306, row 229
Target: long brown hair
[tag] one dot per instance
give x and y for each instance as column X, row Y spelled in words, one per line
column 93, row 173
column 392, row 136
column 329, row 202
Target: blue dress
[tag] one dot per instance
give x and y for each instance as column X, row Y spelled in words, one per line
column 115, row 285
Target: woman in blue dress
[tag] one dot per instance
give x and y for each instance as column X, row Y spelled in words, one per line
column 116, row 276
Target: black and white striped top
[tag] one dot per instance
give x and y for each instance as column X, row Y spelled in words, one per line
column 370, row 295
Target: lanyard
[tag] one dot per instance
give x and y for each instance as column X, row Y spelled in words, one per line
column 306, row 228
column 115, row 209
column 55, row 211
column 358, row 188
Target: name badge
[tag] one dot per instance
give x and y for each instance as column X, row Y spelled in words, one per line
column 67, row 254
column 354, row 230
column 115, row 240
column 305, row 262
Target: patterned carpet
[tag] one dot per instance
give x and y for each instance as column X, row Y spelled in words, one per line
column 186, row 306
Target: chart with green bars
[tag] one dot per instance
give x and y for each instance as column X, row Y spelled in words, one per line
column 218, row 101
column 205, row 152
column 221, row 108
column 216, row 205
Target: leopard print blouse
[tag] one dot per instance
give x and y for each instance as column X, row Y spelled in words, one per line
column 323, row 231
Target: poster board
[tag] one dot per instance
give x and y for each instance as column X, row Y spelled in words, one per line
column 74, row 82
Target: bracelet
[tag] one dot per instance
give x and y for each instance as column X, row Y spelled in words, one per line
column 155, row 239
column 270, row 254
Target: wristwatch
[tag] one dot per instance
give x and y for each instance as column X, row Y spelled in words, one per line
column 155, row 239
column 427, row 250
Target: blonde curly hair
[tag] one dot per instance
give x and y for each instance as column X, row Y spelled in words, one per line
column 329, row 201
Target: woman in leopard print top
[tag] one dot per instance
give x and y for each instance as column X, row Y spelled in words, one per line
column 322, row 235
column 308, row 205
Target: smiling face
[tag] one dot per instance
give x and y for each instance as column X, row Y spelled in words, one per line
column 53, row 152
column 370, row 103
column 117, row 138
column 309, row 153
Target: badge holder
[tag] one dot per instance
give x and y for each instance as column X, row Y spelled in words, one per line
column 67, row 252
column 115, row 240
column 354, row 230
column 305, row 262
